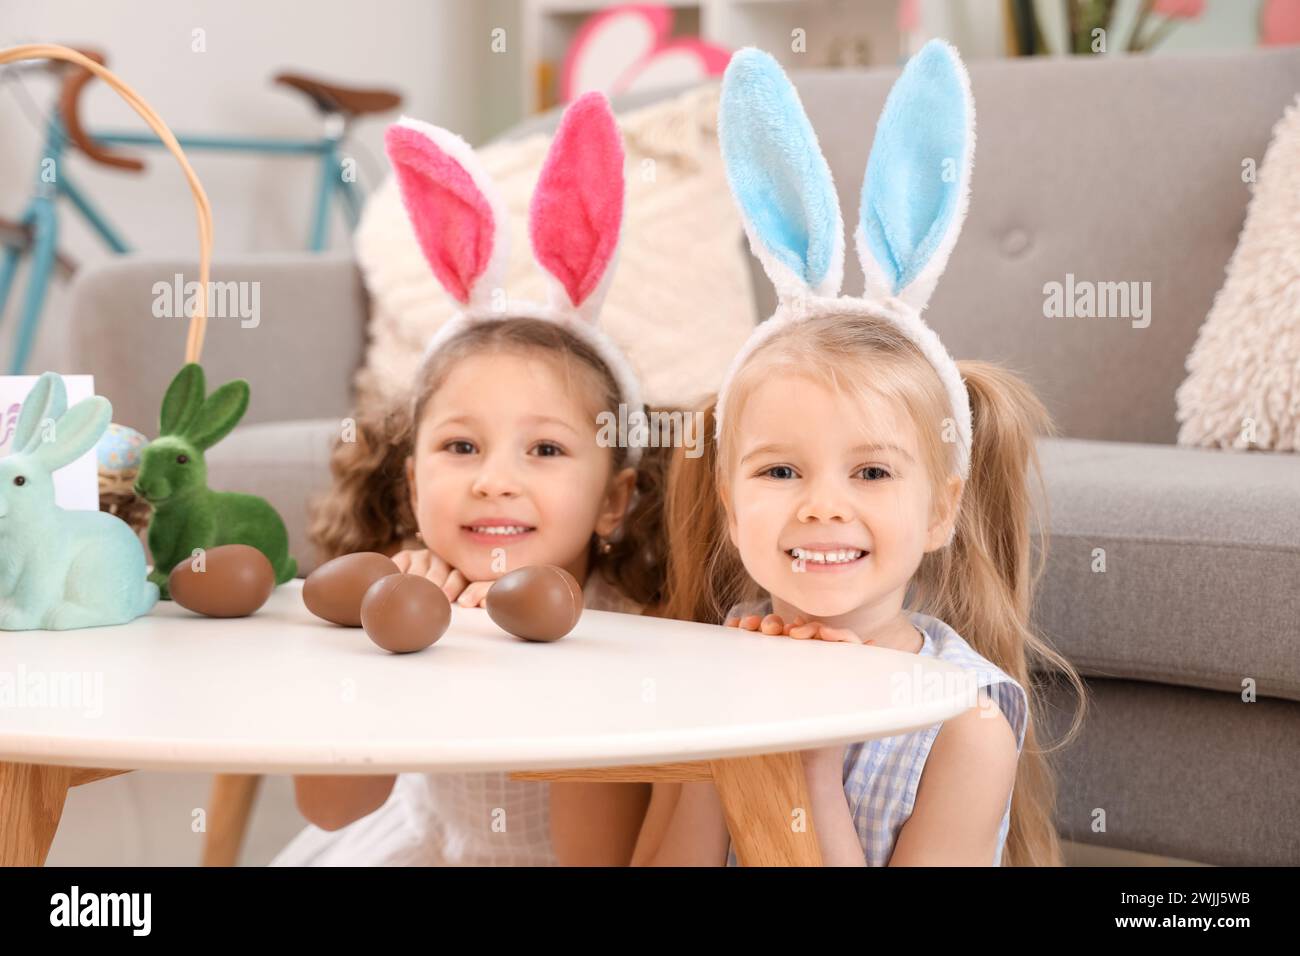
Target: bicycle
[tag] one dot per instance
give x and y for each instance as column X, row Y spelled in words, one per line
column 37, row 231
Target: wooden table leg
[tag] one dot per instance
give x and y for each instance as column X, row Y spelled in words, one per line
column 760, row 797
column 229, row 809
column 84, row 775
column 31, row 805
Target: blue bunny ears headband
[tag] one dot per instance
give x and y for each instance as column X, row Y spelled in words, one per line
column 914, row 200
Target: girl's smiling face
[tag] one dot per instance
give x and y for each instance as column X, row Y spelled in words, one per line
column 506, row 471
column 830, row 504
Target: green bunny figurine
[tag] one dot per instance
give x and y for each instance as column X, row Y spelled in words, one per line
column 173, row 478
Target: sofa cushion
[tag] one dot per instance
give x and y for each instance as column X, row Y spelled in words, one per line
column 298, row 351
column 1201, row 550
column 1179, row 772
column 1244, row 371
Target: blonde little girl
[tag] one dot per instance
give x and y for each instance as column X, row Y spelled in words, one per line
column 494, row 464
column 864, row 488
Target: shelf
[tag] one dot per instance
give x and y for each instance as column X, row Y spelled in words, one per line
column 837, row 33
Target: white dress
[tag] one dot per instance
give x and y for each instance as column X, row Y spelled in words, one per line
column 450, row 819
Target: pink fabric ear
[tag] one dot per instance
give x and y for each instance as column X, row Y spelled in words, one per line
column 453, row 220
column 577, row 209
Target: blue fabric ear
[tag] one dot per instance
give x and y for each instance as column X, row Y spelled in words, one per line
column 75, row 432
column 778, row 175
column 918, row 176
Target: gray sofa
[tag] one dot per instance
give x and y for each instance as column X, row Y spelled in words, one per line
column 1109, row 169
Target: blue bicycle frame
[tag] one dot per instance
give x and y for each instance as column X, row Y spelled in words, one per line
column 40, row 219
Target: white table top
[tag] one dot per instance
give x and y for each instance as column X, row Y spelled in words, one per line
column 283, row 692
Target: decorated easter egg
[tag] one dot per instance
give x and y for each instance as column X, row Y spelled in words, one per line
column 405, row 612
column 335, row 589
column 232, row 580
column 538, row 603
column 118, row 449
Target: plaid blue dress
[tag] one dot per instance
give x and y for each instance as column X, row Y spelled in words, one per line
column 881, row 776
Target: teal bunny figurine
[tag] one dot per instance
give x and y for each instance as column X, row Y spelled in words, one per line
column 62, row 569
column 173, row 478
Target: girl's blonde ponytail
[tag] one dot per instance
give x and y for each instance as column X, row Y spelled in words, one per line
column 983, row 584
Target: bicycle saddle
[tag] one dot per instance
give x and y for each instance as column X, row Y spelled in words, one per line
column 341, row 99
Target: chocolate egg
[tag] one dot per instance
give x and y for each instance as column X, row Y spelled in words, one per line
column 335, row 589
column 405, row 612
column 537, row 603
column 231, row 580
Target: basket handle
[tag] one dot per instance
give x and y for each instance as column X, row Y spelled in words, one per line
column 52, row 51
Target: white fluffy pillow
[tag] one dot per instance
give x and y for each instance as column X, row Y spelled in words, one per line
column 1243, row 390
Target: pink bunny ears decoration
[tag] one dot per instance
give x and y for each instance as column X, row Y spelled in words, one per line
column 574, row 220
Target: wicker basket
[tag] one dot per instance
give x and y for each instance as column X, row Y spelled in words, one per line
column 115, row 494
column 117, row 498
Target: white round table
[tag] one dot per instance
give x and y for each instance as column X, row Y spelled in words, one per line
column 619, row 698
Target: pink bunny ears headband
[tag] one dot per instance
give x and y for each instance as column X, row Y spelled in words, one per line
column 914, row 199
column 574, row 220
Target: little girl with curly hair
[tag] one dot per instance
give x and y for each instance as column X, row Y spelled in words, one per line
column 496, row 462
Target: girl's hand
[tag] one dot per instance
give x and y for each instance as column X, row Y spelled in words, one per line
column 771, row 624
column 426, row 564
column 799, row 629
column 423, row 562
column 475, row 594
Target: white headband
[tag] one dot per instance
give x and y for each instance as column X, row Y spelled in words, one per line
column 575, row 218
column 914, row 199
